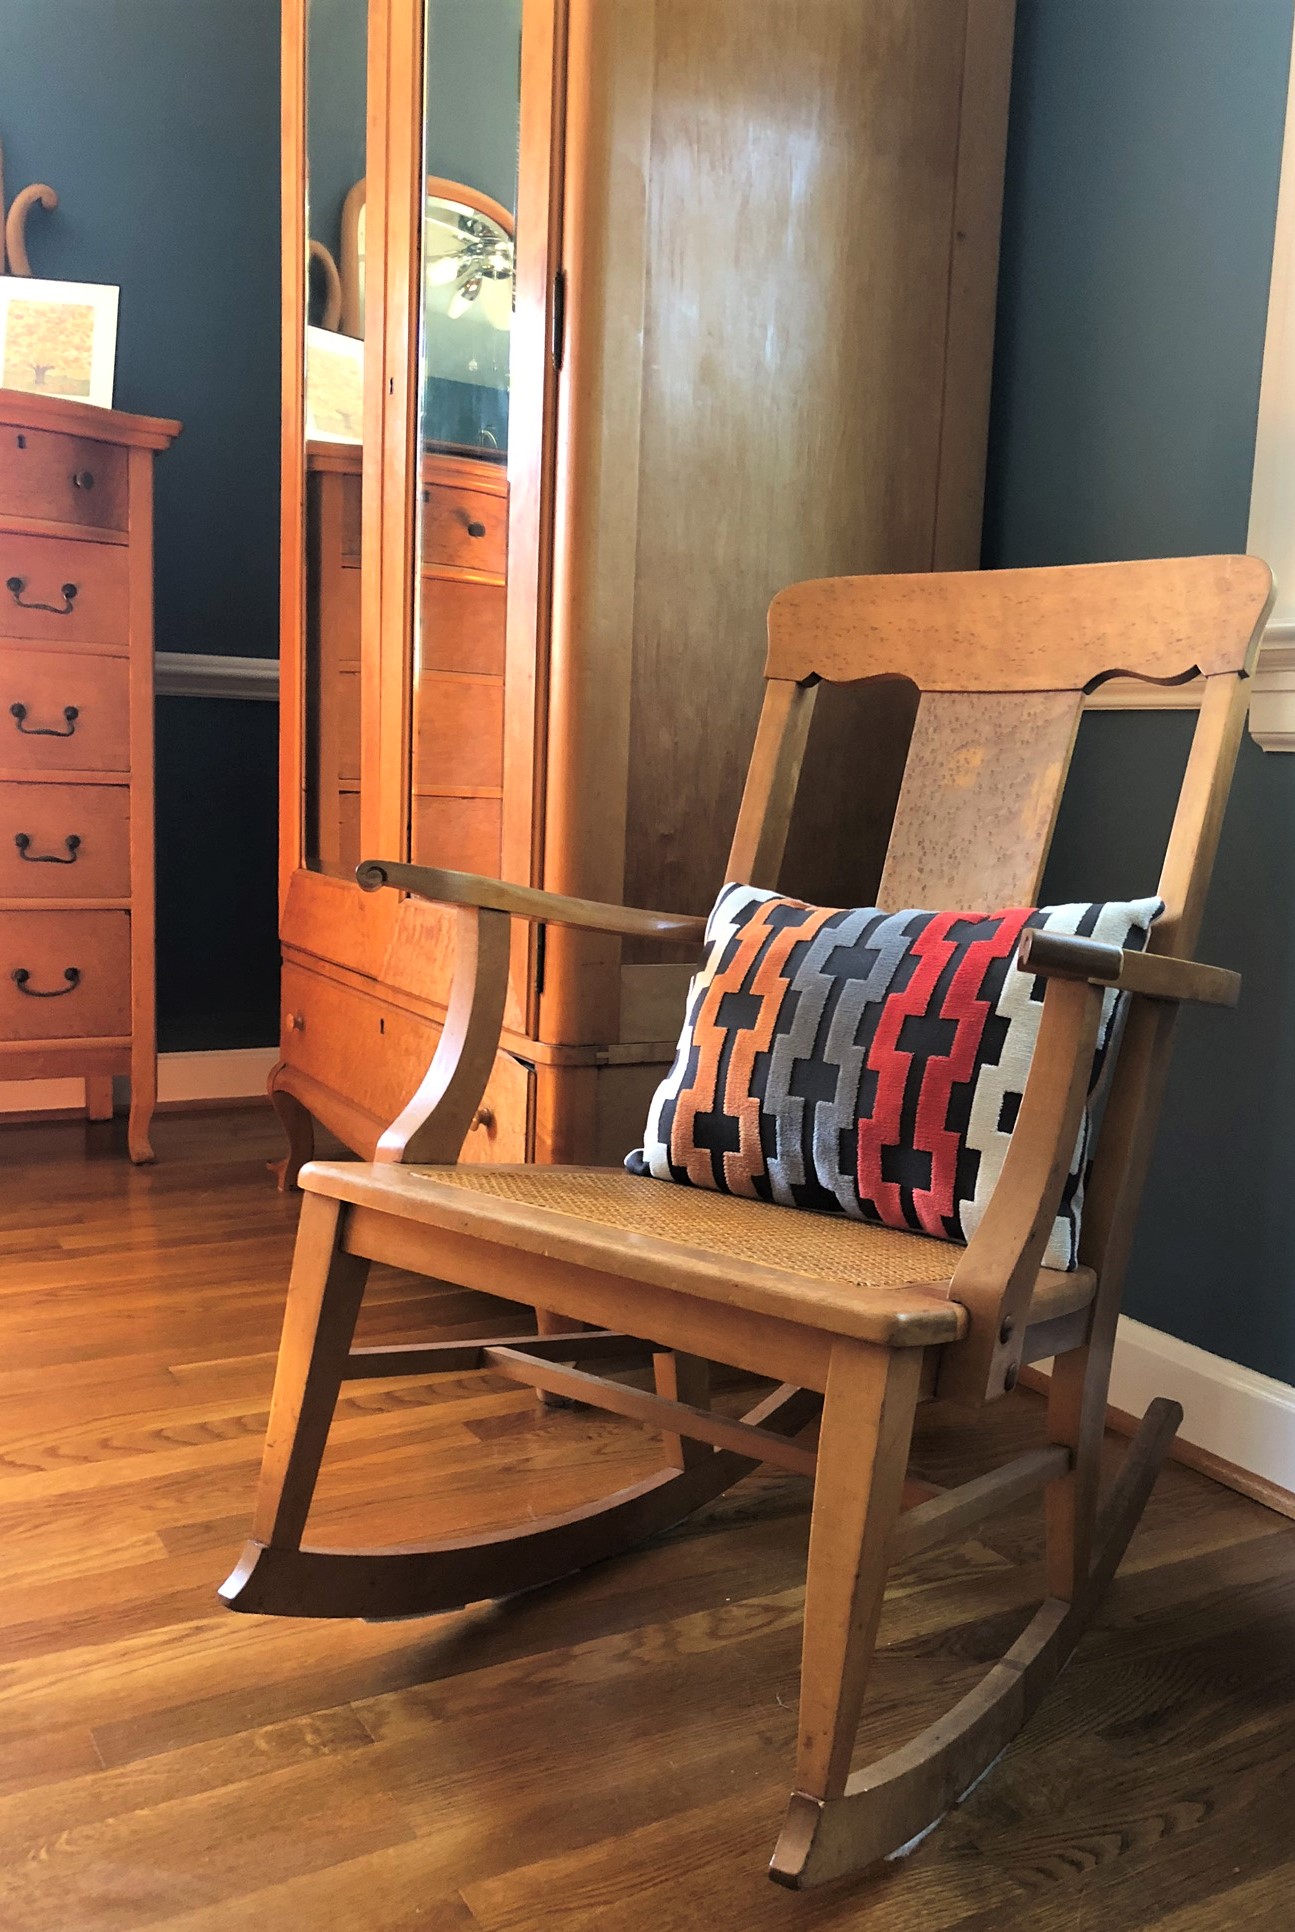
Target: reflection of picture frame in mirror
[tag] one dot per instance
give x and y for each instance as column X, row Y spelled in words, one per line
column 468, row 292
column 350, row 267
column 468, row 279
column 334, row 387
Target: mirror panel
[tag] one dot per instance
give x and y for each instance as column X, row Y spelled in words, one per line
column 472, row 103
column 336, row 105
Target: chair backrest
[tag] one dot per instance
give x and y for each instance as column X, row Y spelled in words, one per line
column 1002, row 660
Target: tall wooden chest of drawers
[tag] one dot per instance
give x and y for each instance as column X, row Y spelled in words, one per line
column 76, row 749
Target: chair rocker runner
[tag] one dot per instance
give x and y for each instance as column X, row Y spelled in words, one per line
column 860, row 1320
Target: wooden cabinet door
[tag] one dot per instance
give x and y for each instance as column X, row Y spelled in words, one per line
column 357, row 684
column 780, row 241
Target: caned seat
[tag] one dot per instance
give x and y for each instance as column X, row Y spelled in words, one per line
column 853, row 1324
column 845, row 1277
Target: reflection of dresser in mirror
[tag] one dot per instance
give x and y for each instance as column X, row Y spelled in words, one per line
column 456, row 804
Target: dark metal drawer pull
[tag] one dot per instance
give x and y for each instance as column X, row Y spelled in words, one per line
column 70, row 713
column 83, row 479
column 72, row 842
column 20, row 977
column 476, row 528
column 16, row 586
column 45, row 731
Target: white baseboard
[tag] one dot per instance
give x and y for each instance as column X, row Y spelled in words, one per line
column 1230, row 1413
column 230, row 1073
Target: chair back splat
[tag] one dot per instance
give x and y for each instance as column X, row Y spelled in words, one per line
column 1002, row 660
column 854, row 1320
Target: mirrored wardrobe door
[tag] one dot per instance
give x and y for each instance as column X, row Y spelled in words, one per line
column 336, row 99
column 472, row 73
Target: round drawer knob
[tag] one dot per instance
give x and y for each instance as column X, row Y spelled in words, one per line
column 476, row 529
column 82, row 479
column 296, row 1022
column 483, row 1117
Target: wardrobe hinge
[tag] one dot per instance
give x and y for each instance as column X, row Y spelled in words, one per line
column 541, row 950
column 559, row 317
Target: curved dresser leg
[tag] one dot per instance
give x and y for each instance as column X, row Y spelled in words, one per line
column 299, row 1127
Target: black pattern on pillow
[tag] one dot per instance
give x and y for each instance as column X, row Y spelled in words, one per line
column 868, row 1063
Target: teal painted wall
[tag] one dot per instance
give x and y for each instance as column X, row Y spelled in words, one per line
column 473, row 87
column 336, row 103
column 473, row 78
column 1141, row 195
column 157, row 123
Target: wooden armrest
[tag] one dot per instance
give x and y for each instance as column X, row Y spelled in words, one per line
column 1155, row 976
column 996, row 1276
column 528, row 902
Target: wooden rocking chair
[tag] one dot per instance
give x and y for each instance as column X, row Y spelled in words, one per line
column 854, row 1314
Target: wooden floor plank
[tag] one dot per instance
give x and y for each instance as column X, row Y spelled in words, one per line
column 608, row 1753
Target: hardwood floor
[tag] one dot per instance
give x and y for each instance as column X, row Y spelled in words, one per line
column 609, row 1753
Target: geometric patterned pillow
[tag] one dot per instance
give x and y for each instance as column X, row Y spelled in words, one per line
column 867, row 1063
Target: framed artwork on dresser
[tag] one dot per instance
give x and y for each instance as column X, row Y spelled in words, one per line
column 58, row 339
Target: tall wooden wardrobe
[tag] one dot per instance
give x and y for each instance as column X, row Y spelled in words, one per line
column 648, row 308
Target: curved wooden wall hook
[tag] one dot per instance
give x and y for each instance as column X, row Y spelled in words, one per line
column 13, row 238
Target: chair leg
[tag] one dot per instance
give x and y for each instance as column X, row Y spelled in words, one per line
column 1077, row 1393
column 324, row 1295
column 863, row 1449
column 683, row 1378
column 549, row 1322
column 840, row 1820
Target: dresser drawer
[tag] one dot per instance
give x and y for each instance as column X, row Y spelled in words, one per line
column 463, row 626
column 62, row 479
column 465, row 834
column 352, row 497
column 466, row 528
column 375, row 1056
column 343, row 700
column 64, row 975
column 458, row 732
column 348, row 832
column 38, row 690
column 58, row 590
column 64, row 841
